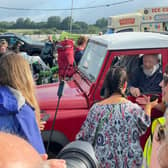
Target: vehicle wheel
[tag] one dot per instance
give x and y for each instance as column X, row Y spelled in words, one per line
column 58, row 141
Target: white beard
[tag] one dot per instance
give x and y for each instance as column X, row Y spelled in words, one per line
column 150, row 72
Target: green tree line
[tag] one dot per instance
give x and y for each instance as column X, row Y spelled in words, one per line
column 55, row 22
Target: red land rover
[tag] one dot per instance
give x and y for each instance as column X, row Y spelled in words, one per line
column 86, row 85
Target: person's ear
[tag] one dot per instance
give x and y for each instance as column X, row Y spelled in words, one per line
column 166, row 86
column 161, row 84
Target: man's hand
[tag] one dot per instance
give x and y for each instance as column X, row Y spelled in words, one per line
column 54, row 163
column 144, row 100
column 135, row 91
column 42, row 125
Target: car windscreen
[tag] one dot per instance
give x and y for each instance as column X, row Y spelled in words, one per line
column 92, row 60
column 28, row 40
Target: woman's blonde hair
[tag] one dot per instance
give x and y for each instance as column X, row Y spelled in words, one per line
column 15, row 72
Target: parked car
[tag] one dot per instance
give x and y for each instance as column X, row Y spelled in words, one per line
column 85, row 88
column 29, row 46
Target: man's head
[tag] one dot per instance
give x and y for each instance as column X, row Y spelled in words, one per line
column 100, row 33
column 3, row 46
column 164, row 85
column 17, row 153
column 150, row 61
column 50, row 38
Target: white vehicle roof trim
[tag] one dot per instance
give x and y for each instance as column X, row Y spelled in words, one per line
column 132, row 40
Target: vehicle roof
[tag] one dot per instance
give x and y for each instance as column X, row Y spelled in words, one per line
column 8, row 35
column 132, row 40
column 126, row 15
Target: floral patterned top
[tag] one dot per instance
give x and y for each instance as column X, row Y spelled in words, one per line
column 114, row 131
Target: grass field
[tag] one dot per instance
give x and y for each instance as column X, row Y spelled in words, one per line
column 22, row 31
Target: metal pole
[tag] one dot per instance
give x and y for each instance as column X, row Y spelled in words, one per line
column 71, row 18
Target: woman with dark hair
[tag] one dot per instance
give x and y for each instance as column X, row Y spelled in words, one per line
column 114, row 125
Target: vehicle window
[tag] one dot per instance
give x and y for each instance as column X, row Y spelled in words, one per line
column 26, row 39
column 92, row 60
column 110, row 31
column 12, row 41
column 125, row 30
column 140, row 75
column 131, row 63
column 165, row 26
column 143, row 71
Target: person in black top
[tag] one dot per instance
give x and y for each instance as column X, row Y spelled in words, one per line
column 47, row 52
column 146, row 79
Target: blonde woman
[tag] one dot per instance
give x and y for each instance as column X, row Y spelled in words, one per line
column 19, row 110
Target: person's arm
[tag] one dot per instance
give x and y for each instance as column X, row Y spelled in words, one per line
column 149, row 105
column 141, row 119
column 134, row 82
column 29, row 128
column 159, row 106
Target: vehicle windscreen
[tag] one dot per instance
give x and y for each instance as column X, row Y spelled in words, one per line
column 28, row 40
column 92, row 60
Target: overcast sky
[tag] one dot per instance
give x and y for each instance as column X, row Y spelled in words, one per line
column 87, row 15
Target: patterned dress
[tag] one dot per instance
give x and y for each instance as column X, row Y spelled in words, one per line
column 114, row 131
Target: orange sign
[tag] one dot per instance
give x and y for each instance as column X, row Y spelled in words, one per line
column 127, row 21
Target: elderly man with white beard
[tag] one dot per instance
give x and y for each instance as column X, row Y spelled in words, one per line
column 146, row 79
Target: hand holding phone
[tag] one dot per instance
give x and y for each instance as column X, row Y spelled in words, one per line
column 45, row 117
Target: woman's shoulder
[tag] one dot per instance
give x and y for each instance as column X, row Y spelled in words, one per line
column 133, row 105
column 8, row 100
column 98, row 108
column 19, row 97
column 113, row 101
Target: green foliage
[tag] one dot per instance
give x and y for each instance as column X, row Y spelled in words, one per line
column 101, row 23
column 48, row 76
column 65, row 24
column 54, row 69
column 2, row 30
column 69, row 36
column 54, row 21
column 54, row 24
column 93, row 29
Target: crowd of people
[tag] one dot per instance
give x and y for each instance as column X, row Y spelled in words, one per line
column 113, row 126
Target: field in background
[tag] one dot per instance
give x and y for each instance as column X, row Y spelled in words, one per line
column 23, row 31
